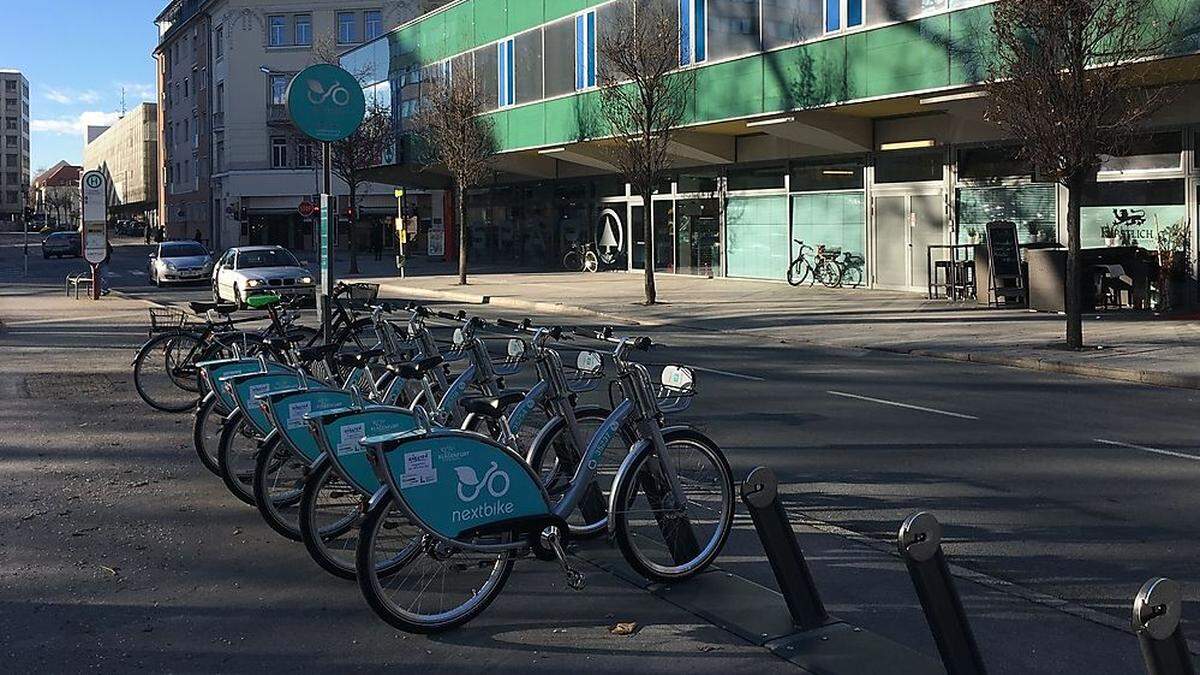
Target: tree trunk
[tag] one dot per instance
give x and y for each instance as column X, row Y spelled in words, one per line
column 460, row 213
column 648, row 233
column 1074, row 299
column 353, row 230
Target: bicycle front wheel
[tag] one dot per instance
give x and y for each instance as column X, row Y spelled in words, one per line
column 661, row 538
column 237, row 456
column 829, row 274
column 571, row 262
column 279, row 477
column 207, row 425
column 797, row 272
column 419, row 584
column 590, row 262
column 164, row 371
column 330, row 513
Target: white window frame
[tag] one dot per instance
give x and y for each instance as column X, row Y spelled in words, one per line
column 271, row 30
column 353, row 39
column 506, row 73
column 367, row 37
column 279, row 151
column 296, row 23
column 591, row 61
column 692, row 60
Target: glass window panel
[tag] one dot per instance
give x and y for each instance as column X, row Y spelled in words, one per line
column 756, row 237
column 891, row 167
column 732, row 28
column 278, row 31
column 590, row 50
column 836, row 221
column 1032, row 207
column 815, row 177
column 372, row 24
column 1136, row 210
column 304, row 30
column 757, row 178
column 486, row 73
column 854, row 13
column 787, row 22
column 1153, row 152
column 991, row 162
column 888, row 11
column 833, row 16
column 528, row 66
column 560, row 58
column 581, row 56
column 685, row 32
column 697, row 247
column 608, row 19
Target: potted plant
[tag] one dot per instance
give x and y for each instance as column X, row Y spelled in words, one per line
column 1109, row 233
column 1172, row 266
column 1035, row 232
column 972, row 235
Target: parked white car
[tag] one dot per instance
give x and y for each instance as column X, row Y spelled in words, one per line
column 245, row 270
column 180, row 261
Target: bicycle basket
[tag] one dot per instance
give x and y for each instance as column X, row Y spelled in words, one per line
column 678, row 389
column 362, row 292
column 517, row 353
column 587, row 373
column 163, row 319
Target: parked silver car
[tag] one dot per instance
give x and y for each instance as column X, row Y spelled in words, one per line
column 180, row 261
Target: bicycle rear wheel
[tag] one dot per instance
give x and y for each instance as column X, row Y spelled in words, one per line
column 164, row 371
column 207, row 425
column 829, row 273
column 590, row 262
column 421, row 585
column 237, row 455
column 663, row 540
column 571, row 262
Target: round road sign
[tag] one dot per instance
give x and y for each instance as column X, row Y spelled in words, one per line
column 326, row 103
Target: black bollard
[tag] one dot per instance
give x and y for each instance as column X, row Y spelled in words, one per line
column 760, row 492
column 1156, row 612
column 920, row 542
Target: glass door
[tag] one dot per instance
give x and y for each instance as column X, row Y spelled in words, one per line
column 664, row 227
column 697, row 236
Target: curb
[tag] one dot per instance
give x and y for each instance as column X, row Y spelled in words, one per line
column 1156, row 378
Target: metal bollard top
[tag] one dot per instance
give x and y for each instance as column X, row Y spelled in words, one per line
column 760, row 488
column 1157, row 608
column 920, row 537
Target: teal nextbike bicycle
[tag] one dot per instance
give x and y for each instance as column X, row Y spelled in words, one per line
column 458, row 508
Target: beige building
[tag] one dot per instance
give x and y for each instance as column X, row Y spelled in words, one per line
column 127, row 152
column 14, row 144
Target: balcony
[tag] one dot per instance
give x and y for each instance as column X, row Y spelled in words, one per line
column 277, row 115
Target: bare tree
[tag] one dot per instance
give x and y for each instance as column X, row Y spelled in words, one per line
column 455, row 134
column 353, row 156
column 644, row 99
column 1052, row 86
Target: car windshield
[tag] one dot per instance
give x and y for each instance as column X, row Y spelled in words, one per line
column 275, row 257
column 182, row 250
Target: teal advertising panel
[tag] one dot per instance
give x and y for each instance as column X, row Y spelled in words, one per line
column 233, row 369
column 342, row 436
column 247, row 391
column 835, row 220
column 756, row 235
column 458, row 481
column 289, row 412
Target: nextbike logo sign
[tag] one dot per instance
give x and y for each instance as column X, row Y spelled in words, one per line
column 471, row 487
column 326, row 102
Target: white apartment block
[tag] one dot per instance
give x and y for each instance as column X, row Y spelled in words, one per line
column 14, row 144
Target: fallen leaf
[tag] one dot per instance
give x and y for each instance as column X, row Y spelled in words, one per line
column 623, row 628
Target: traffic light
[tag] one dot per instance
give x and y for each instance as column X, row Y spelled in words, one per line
column 243, row 216
column 349, row 213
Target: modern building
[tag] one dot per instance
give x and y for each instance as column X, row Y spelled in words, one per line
column 14, row 151
column 853, row 124
column 127, row 152
column 184, row 124
column 54, row 195
column 226, row 103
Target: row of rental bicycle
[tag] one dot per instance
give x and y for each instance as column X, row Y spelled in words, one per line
column 394, row 450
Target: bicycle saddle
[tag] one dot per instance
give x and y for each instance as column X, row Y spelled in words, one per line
column 282, row 344
column 358, row 359
column 222, row 308
column 416, row 369
column 492, row 406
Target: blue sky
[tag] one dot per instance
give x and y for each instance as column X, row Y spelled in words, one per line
column 77, row 55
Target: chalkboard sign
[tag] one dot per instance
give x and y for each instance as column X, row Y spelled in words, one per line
column 1003, row 250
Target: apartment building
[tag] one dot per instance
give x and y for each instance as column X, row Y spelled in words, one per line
column 228, row 106
column 127, row 152
column 855, row 125
column 14, row 149
column 184, row 141
column 54, row 195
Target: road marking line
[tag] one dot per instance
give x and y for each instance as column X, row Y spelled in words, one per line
column 1131, row 446
column 906, row 406
column 726, row 373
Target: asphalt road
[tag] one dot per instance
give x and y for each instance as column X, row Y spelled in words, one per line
column 1059, row 495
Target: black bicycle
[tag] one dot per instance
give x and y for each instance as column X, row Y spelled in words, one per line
column 822, row 266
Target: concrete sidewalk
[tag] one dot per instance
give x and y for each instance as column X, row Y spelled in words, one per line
column 1127, row 346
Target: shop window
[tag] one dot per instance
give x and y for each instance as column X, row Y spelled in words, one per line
column 819, row 177
column 756, row 237
column 1032, row 207
column 528, row 66
column 560, row 46
column 757, row 178
column 693, row 45
column 732, row 28
column 981, row 164
column 891, row 167
column 506, row 85
column 789, row 22
column 1134, row 211
column 697, row 183
column 585, row 51
column 835, row 221
column 1154, row 152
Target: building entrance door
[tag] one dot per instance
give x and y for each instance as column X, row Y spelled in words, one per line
column 905, row 226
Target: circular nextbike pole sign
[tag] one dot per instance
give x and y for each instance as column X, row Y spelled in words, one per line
column 326, row 103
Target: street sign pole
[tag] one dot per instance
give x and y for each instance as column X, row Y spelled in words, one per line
column 93, row 191
column 401, row 230
column 328, row 218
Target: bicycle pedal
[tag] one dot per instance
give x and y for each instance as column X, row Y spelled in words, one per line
column 576, row 580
